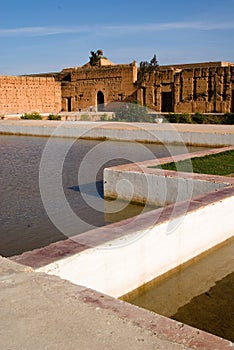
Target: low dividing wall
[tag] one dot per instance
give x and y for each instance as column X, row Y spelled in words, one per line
column 123, row 256
column 86, row 116
column 139, row 182
column 191, row 134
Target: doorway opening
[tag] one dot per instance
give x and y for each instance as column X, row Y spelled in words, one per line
column 69, row 104
column 167, row 102
column 144, row 96
column 100, row 101
column 232, row 106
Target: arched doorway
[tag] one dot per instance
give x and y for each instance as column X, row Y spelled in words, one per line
column 100, row 101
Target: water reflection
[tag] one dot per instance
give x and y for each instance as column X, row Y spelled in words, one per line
column 24, row 223
column 199, row 294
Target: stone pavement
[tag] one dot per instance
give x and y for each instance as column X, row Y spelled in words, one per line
column 41, row 312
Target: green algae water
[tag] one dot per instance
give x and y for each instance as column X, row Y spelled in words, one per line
column 199, row 294
column 24, row 223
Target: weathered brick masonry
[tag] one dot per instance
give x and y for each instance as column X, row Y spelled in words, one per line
column 28, row 94
column 201, row 87
column 206, row 87
column 87, row 86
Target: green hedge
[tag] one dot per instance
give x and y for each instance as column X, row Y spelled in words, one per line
column 33, row 115
column 229, row 118
column 199, row 118
column 54, row 117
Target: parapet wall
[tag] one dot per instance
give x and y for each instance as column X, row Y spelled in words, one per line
column 149, row 245
column 28, row 94
column 142, row 183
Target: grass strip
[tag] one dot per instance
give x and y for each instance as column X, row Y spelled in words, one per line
column 215, row 164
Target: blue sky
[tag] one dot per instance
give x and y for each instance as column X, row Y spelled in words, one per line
column 49, row 35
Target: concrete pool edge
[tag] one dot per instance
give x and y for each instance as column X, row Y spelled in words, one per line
column 86, row 243
column 48, row 291
column 143, row 183
column 189, row 134
column 92, row 258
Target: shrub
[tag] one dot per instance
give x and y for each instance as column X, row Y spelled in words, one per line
column 198, row 118
column 179, row 118
column 185, row 118
column 172, row 117
column 229, row 118
column 54, row 117
column 132, row 112
column 214, row 119
column 33, row 115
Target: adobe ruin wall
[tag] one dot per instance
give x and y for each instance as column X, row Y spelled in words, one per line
column 24, row 94
column 204, row 88
column 81, row 85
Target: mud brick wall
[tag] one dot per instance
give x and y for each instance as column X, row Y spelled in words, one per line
column 205, row 88
column 80, row 86
column 29, row 94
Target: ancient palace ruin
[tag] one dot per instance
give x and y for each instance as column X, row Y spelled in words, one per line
column 200, row 87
